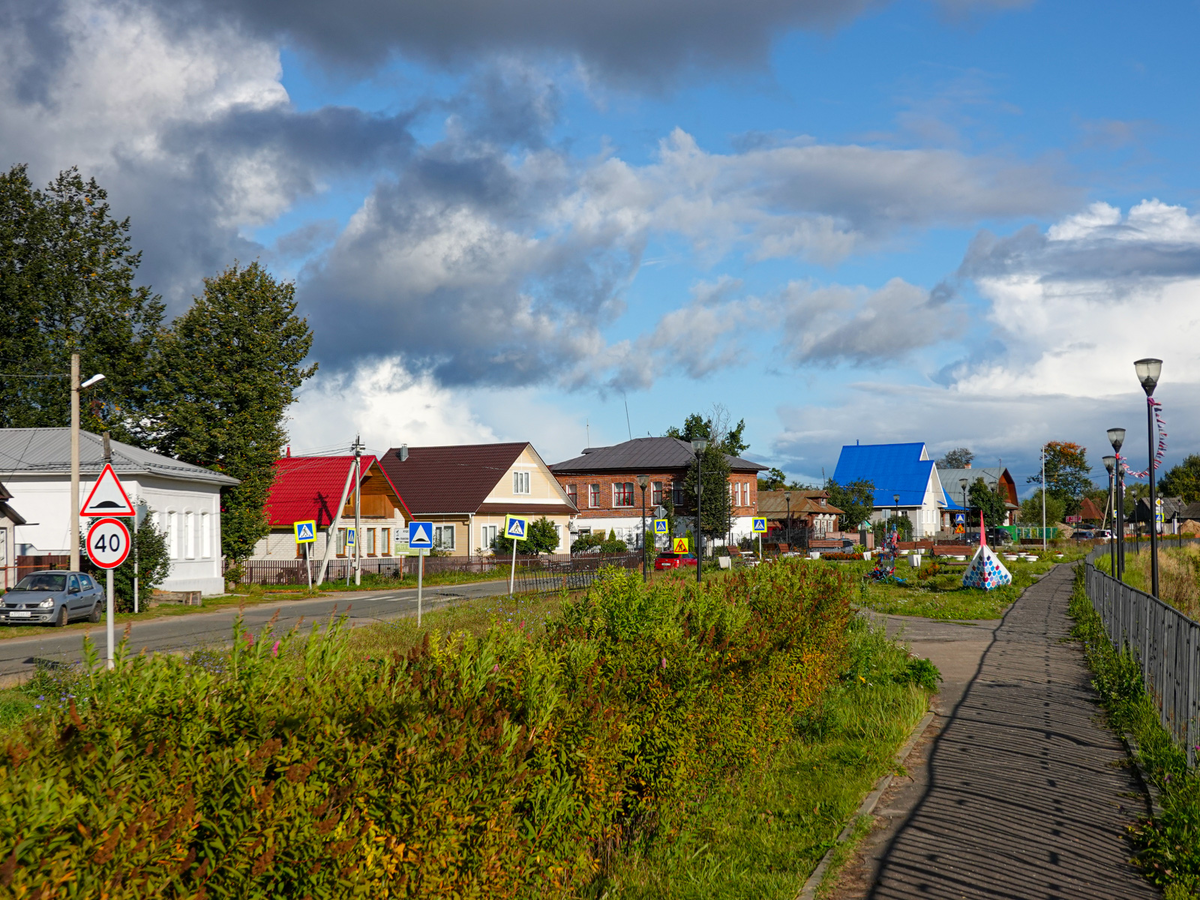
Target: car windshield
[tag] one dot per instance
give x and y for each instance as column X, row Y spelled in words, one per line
column 42, row 582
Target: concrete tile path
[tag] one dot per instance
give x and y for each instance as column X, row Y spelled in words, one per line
column 1017, row 791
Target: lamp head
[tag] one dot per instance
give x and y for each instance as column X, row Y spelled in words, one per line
column 1110, row 463
column 963, row 482
column 643, row 481
column 787, row 495
column 895, row 499
column 699, row 445
column 95, row 379
column 1148, row 371
column 1116, row 437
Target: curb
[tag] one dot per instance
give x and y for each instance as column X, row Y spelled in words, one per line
column 809, row 891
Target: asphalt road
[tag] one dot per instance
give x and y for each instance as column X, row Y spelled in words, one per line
column 18, row 655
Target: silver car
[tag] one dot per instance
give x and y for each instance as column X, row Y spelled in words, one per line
column 52, row 596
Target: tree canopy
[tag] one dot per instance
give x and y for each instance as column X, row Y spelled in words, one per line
column 856, row 500
column 67, row 286
column 1031, row 510
column 714, row 427
column 1068, row 474
column 1182, row 480
column 541, row 537
column 716, row 505
column 989, row 501
column 958, row 458
column 233, row 365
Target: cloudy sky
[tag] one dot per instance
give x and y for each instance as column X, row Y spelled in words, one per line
column 950, row 221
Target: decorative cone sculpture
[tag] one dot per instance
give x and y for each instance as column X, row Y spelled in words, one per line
column 986, row 571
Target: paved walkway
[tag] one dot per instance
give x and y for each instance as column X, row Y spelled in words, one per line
column 1019, row 791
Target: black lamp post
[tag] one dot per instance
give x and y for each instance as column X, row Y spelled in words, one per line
column 643, row 482
column 698, row 447
column 787, row 495
column 1148, row 371
column 1110, row 464
column 963, row 484
column 896, row 501
column 1116, row 437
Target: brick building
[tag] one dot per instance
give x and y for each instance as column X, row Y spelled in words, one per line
column 602, row 483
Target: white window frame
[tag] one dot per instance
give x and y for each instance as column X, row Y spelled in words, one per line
column 521, row 483
column 622, row 485
column 440, row 534
column 488, row 534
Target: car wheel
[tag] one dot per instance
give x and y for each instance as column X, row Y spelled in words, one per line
column 95, row 614
column 63, row 617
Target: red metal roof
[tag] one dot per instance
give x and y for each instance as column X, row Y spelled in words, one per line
column 453, row 479
column 309, row 487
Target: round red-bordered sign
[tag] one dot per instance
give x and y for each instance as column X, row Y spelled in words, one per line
column 108, row 543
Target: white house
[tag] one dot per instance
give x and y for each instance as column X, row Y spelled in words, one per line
column 9, row 520
column 905, row 480
column 184, row 500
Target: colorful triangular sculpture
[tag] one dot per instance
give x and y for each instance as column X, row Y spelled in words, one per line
column 986, row 571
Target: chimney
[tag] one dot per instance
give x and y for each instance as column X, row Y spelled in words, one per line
column 968, row 465
column 287, row 451
column 403, row 452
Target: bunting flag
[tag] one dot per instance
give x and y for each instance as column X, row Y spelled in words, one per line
column 1162, row 443
column 986, row 571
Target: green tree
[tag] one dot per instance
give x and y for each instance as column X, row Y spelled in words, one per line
column 715, row 507
column 1068, row 474
column 66, row 286
column 541, row 537
column 1031, row 510
column 232, row 365
column 148, row 546
column 856, row 500
column 773, row 480
column 1182, row 480
column 958, row 458
column 988, row 501
column 902, row 524
column 714, row 427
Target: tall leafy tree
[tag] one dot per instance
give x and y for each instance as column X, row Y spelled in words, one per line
column 714, row 427
column 958, row 458
column 67, row 273
column 1182, row 481
column 233, row 363
column 712, row 489
column 541, row 537
column 856, row 500
column 1068, row 474
column 991, row 502
column 1031, row 510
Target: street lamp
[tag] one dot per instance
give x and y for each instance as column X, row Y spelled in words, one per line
column 896, row 523
column 787, row 495
column 643, row 482
column 76, row 387
column 1148, row 371
column 1110, row 463
column 698, row 447
column 1116, row 437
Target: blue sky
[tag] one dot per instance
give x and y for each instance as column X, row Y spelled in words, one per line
column 955, row 222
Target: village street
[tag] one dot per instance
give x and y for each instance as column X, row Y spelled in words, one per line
column 171, row 633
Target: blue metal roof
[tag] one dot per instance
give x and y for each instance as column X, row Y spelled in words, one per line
column 892, row 468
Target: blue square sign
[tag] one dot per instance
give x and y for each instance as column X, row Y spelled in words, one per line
column 420, row 535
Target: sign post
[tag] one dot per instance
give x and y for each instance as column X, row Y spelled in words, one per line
column 420, row 538
column 306, row 534
column 351, row 541
column 514, row 529
column 758, row 525
column 108, row 547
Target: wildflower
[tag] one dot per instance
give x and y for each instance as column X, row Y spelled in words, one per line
column 662, row 663
column 275, row 648
column 496, row 667
column 249, row 639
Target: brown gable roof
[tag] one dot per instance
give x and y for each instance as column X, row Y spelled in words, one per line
column 654, row 454
column 453, row 479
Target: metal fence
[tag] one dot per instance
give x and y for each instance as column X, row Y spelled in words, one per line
column 547, row 574
column 1165, row 642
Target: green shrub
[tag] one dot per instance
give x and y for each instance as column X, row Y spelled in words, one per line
column 499, row 766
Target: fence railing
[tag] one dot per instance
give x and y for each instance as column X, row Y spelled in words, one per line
column 528, row 567
column 1165, row 642
column 573, row 573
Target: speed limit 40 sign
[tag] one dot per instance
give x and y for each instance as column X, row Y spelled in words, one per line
column 108, row 543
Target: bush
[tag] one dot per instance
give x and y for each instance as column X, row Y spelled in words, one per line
column 499, row 766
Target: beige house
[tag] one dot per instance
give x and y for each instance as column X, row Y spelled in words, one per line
column 467, row 490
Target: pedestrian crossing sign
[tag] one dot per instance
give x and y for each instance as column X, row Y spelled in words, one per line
column 758, row 525
column 679, row 545
column 349, row 537
column 306, row 532
column 514, row 528
column 660, row 526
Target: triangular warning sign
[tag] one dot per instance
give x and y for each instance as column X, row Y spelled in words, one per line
column 420, row 536
column 108, row 497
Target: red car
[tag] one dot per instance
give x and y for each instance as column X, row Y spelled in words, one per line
column 674, row 561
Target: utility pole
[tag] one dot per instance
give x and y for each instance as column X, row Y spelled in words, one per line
column 74, row 536
column 358, row 448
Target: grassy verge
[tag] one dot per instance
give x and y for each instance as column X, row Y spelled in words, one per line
column 761, row 833
column 936, row 591
column 1168, row 845
column 1178, row 574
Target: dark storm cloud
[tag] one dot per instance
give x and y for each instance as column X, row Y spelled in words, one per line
column 39, row 29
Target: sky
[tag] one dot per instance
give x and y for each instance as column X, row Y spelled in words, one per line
column 950, row 221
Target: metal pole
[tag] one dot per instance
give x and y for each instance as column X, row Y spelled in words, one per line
column 1043, row 498
column 512, row 576
column 699, row 525
column 357, row 511
column 331, row 533
column 420, row 578
column 135, row 573
column 109, row 588
column 1153, row 499
column 74, row 536
column 308, row 565
column 1112, row 543
column 1120, row 508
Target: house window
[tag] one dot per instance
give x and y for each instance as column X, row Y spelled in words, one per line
column 342, row 537
column 677, row 493
column 520, row 482
column 656, row 493
column 385, row 538
column 443, row 537
column 623, row 494
column 173, row 534
column 487, row 535
column 189, row 535
column 371, row 542
column 572, row 494
column 594, row 496
column 206, row 535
